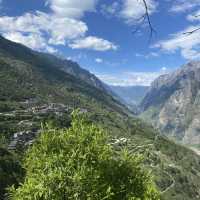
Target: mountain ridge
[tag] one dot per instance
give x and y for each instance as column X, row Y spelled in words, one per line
column 172, row 103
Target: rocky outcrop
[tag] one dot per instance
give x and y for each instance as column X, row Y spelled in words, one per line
column 173, row 104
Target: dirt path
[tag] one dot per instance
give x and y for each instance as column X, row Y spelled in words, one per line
column 197, row 151
column 171, row 186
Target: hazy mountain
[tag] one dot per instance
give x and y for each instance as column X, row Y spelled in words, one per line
column 131, row 95
column 173, row 103
column 36, row 88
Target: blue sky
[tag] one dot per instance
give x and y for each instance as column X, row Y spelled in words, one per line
column 98, row 34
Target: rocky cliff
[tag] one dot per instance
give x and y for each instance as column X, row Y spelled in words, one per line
column 173, row 104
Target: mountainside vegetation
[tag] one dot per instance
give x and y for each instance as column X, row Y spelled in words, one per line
column 11, row 171
column 79, row 164
column 34, row 91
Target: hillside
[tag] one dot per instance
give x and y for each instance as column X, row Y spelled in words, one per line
column 172, row 104
column 33, row 90
column 35, row 80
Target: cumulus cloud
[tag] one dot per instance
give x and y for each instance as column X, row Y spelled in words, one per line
column 131, row 78
column 72, row 9
column 110, row 9
column 28, row 25
column 133, row 10
column 98, row 60
column 183, row 5
column 194, row 16
column 94, row 43
column 187, row 44
column 34, row 41
column 59, row 27
column 130, row 11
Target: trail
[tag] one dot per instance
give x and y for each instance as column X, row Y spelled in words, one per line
column 148, row 145
column 197, row 151
column 172, row 185
column 171, row 177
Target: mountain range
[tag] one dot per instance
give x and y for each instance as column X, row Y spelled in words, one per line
column 172, row 104
column 38, row 88
column 131, row 95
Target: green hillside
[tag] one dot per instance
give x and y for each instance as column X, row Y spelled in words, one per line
column 34, row 90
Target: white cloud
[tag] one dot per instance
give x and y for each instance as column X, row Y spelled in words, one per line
column 183, row 5
column 58, row 30
column 59, row 27
column 133, row 10
column 147, row 56
column 194, row 17
column 188, row 44
column 98, row 60
column 72, row 8
column 77, row 57
column 131, row 78
column 34, row 41
column 130, row 11
column 139, row 55
column 110, row 9
column 93, row 43
column 164, row 69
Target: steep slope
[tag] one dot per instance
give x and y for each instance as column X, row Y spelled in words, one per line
column 48, row 66
column 173, row 102
column 21, row 52
column 33, row 89
column 74, row 69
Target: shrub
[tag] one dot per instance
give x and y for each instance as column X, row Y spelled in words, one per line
column 77, row 163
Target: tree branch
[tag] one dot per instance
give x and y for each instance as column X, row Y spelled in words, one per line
column 143, row 18
column 152, row 30
column 191, row 32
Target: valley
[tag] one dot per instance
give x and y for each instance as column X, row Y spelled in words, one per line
column 36, row 91
column 131, row 95
column 100, row 100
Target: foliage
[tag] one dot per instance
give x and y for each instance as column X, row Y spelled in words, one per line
column 11, row 171
column 77, row 163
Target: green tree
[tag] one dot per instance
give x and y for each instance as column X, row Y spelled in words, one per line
column 78, row 164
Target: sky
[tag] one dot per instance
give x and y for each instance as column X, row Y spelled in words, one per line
column 101, row 34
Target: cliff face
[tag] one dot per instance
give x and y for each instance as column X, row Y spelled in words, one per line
column 173, row 103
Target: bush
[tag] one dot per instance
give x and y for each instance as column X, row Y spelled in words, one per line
column 11, row 172
column 77, row 163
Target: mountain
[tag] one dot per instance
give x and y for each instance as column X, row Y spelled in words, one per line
column 173, row 102
column 67, row 66
column 40, row 69
column 131, row 95
column 35, row 89
column 74, row 69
